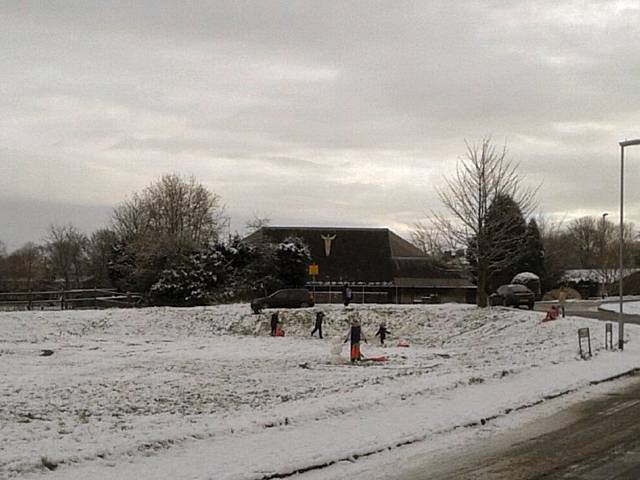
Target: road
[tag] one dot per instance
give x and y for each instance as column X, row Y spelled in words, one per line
column 597, row 439
column 589, row 309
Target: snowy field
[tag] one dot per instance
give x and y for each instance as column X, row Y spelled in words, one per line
column 205, row 393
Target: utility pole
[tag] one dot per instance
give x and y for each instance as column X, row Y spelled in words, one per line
column 603, row 277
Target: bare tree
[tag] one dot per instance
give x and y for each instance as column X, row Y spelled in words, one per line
column 25, row 264
column 609, row 250
column 256, row 223
column 549, row 227
column 130, row 219
column 172, row 217
column 66, row 250
column 586, row 241
column 3, row 267
column 430, row 239
column 483, row 175
column 175, row 212
column 100, row 252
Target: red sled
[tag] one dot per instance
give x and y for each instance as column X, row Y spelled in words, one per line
column 381, row 358
column 403, row 343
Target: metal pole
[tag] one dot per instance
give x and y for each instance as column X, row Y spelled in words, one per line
column 621, row 274
column 603, row 277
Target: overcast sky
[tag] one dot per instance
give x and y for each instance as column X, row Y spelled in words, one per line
column 310, row 113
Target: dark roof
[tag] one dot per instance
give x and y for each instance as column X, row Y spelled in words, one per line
column 401, row 248
column 356, row 255
column 361, row 254
column 421, row 267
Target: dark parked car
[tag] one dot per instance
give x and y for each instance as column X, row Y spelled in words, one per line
column 286, row 298
column 513, row 295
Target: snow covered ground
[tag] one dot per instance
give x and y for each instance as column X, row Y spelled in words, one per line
column 612, row 305
column 206, row 393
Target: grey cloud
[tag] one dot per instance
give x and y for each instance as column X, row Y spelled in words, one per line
column 295, row 163
column 261, row 98
column 26, row 219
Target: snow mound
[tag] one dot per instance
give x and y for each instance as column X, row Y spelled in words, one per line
column 525, row 277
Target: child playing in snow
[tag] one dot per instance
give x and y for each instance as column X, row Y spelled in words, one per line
column 274, row 323
column 318, row 325
column 279, row 329
column 355, row 334
column 347, row 294
column 382, row 332
column 562, row 298
column 552, row 314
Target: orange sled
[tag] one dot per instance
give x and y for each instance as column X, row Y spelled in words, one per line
column 381, row 358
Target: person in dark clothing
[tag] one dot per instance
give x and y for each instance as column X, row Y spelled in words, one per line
column 355, row 335
column 318, row 325
column 382, row 332
column 347, row 294
column 274, row 323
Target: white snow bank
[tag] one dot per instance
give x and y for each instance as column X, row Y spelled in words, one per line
column 631, row 308
column 524, row 277
column 205, row 392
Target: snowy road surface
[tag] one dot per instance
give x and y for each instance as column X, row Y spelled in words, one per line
column 597, row 438
column 206, row 393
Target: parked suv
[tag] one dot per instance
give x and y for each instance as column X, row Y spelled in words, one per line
column 286, row 298
column 513, row 295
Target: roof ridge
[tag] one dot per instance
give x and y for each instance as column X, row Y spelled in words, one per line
column 301, row 227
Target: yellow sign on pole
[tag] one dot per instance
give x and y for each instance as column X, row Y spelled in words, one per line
column 314, row 269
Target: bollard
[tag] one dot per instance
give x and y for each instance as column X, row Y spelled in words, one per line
column 608, row 336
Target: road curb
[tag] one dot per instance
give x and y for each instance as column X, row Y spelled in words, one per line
column 482, row 421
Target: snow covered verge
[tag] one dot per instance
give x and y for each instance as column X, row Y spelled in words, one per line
column 613, row 305
column 206, row 393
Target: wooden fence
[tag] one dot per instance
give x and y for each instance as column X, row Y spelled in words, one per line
column 68, row 299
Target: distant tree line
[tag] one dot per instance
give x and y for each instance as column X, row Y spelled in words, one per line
column 164, row 242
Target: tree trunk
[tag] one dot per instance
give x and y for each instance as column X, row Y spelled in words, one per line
column 481, row 296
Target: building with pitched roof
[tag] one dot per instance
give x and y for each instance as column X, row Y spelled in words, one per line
column 379, row 265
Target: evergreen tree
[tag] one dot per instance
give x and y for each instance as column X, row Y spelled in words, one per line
column 292, row 258
column 503, row 237
column 532, row 259
column 250, row 270
column 190, row 279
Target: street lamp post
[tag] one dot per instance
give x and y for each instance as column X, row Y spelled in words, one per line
column 603, row 277
column 626, row 143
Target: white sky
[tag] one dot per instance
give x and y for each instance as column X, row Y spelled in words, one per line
column 310, row 113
